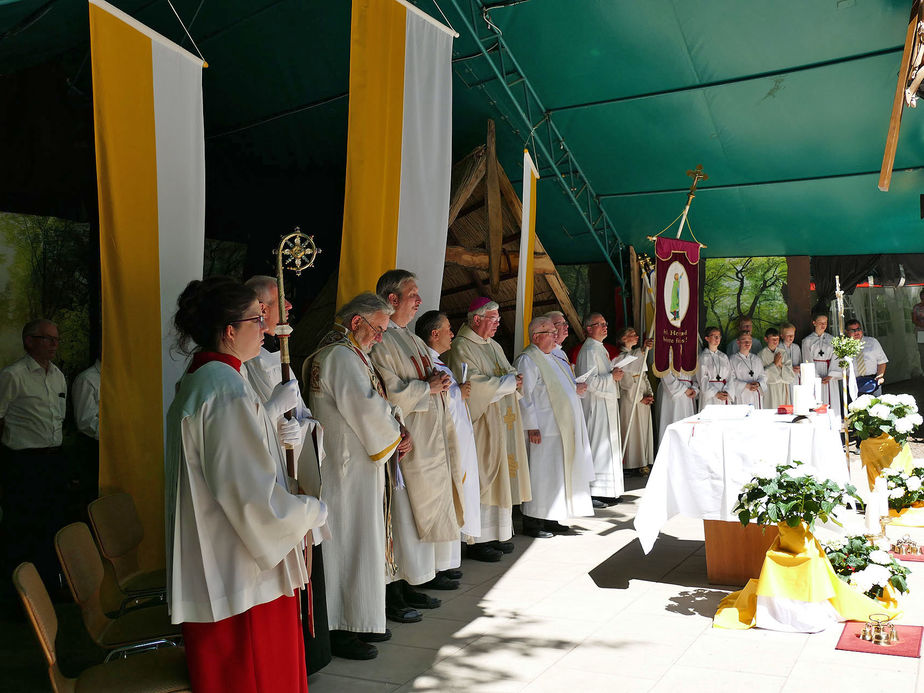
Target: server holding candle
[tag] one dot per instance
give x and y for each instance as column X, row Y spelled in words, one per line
column 817, row 348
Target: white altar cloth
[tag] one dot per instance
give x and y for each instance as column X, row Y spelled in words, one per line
column 702, row 465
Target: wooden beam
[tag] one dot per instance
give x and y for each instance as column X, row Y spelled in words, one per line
column 898, row 104
column 466, row 188
column 564, row 298
column 509, row 260
column 495, row 235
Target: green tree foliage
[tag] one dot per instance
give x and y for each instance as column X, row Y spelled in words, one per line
column 750, row 286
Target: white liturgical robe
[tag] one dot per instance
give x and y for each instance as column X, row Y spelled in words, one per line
column 561, row 465
column 638, row 438
column 820, row 351
column 601, row 412
column 713, row 374
column 673, row 402
column 747, row 369
column 779, row 378
column 234, row 531
column 361, row 432
column 468, row 457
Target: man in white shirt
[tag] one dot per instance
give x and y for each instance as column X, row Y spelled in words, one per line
column 871, row 361
column 85, row 399
column 745, row 326
column 33, row 471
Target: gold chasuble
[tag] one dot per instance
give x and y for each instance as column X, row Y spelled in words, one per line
column 432, row 470
column 499, row 439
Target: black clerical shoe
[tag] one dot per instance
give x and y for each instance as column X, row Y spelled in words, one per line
column 347, row 645
column 419, row 600
column 452, row 573
column 598, row 504
column 555, row 527
column 375, row 637
column 537, row 533
column 483, row 552
column 402, row 614
column 502, row 546
column 604, row 501
column 441, row 582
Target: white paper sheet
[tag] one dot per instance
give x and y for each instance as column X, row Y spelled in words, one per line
column 584, row 376
column 624, row 361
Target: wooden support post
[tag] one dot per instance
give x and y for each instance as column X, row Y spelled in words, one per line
column 898, row 103
column 495, row 212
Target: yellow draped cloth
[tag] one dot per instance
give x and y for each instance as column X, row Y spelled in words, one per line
column 880, row 452
column 796, row 570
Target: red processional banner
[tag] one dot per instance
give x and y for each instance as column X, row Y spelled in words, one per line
column 677, row 306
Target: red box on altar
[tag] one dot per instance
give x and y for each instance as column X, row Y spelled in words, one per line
column 821, row 409
column 784, row 409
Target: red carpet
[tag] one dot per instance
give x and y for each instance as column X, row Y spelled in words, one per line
column 908, row 645
column 908, row 557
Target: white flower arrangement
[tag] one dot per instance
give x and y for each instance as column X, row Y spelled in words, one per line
column 895, row 415
column 903, row 488
column 866, row 565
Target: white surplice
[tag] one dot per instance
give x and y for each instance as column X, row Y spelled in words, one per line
column 673, row 403
column 820, row 351
column 744, row 370
column 468, row 456
column 548, row 461
column 361, row 434
column 638, row 439
column 601, row 413
column 779, row 378
column 713, row 374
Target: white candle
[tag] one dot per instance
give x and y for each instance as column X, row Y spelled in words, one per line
column 807, row 372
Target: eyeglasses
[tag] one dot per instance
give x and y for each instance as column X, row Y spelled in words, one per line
column 597, row 324
column 546, row 332
column 854, row 329
column 379, row 331
column 261, row 319
column 46, row 338
column 490, row 318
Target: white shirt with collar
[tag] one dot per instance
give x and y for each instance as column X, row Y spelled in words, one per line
column 873, row 355
column 85, row 395
column 33, row 402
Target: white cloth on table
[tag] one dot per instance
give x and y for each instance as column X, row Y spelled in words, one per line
column 637, row 438
column 746, row 369
column 701, row 466
column 601, row 413
column 33, row 402
column 547, row 460
column 85, row 396
column 673, row 402
column 714, row 374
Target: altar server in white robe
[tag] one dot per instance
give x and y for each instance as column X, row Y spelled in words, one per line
column 818, row 348
column 788, row 344
column 676, row 399
column 427, row 510
column 636, row 431
column 362, row 434
column 713, row 371
column 433, row 328
column 778, row 368
column 560, row 461
column 503, row 467
column 264, row 373
column 234, row 530
column 601, row 412
column 748, row 384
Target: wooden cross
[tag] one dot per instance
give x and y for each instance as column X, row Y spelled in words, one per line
column 509, row 418
column 910, row 76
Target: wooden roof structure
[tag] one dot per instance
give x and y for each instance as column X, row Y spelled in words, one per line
column 482, row 251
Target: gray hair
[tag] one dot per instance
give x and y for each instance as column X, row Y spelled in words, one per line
column 364, row 305
column 393, row 282
column 490, row 305
column 426, row 323
column 262, row 285
column 536, row 324
column 589, row 318
column 552, row 314
column 31, row 328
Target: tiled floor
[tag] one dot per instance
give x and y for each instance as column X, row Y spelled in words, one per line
column 589, row 612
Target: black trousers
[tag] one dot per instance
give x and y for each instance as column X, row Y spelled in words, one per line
column 317, row 648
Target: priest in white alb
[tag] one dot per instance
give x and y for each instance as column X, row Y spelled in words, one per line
column 560, row 460
column 714, row 372
column 427, row 511
column 363, row 435
column 601, row 411
column 748, row 383
column 635, row 394
column 503, row 468
column 677, row 395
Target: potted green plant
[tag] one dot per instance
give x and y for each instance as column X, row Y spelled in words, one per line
column 862, row 563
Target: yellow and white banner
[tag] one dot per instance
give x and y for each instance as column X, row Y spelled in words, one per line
column 150, row 166
column 525, row 280
column 399, row 141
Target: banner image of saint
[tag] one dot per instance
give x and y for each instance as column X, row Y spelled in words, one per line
column 676, row 320
column 677, row 293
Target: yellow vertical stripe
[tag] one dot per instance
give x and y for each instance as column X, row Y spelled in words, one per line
column 131, row 406
column 530, row 254
column 373, row 172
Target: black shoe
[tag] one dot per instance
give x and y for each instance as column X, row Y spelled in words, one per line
column 452, row 573
column 598, row 504
column 349, row 646
column 502, row 546
column 402, row 614
column 606, row 501
column 419, row 600
column 537, row 533
column 441, row 582
column 555, row 527
column 375, row 637
column 483, row 552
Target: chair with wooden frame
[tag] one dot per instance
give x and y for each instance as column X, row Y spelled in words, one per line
column 83, row 568
column 158, row 671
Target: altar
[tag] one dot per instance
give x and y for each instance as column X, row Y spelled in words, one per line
column 702, row 464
